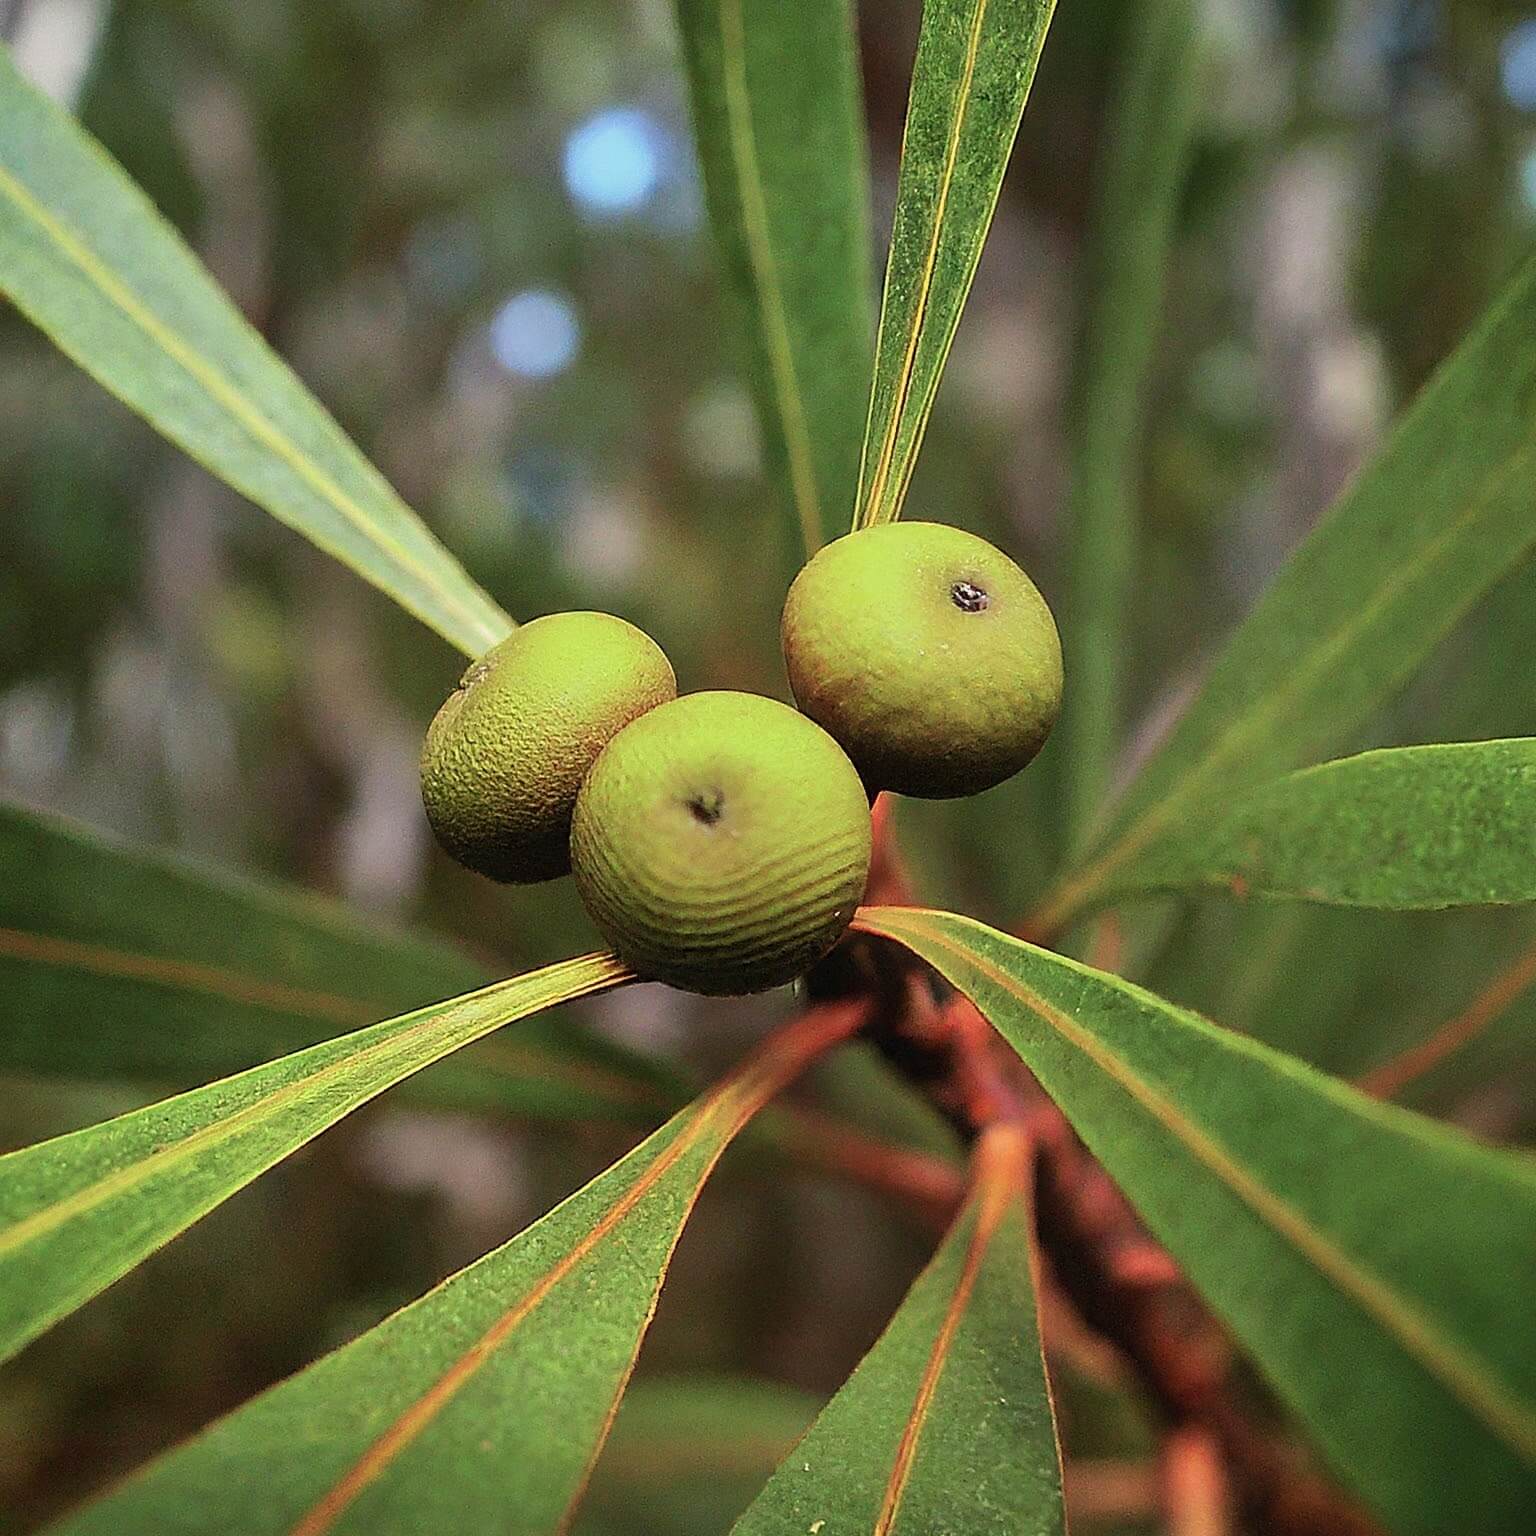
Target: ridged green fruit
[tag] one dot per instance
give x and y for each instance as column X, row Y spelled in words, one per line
column 927, row 653
column 506, row 754
column 721, row 843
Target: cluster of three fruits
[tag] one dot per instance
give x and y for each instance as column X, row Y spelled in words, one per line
column 721, row 841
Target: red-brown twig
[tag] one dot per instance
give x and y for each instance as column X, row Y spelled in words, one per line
column 1101, row 1490
column 1123, row 1284
column 1131, row 1291
column 932, row 1187
column 1196, row 1499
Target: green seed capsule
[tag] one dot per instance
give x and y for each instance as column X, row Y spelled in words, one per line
column 721, row 843
column 507, row 752
column 928, row 654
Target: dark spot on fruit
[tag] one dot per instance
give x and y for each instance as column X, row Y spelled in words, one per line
column 968, row 597
column 706, row 807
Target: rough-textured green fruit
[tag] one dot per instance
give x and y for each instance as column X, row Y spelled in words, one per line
column 721, row 843
column 507, row 752
column 927, row 653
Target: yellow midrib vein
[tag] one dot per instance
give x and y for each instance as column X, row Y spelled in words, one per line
column 450, row 1023
column 409, row 1426
column 721, row 1114
column 930, row 265
column 250, row 419
column 1080, row 888
column 1415, row 1332
column 999, row 1184
column 767, row 291
column 920, row 425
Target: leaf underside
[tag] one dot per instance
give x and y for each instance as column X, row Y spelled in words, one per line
column 1408, row 828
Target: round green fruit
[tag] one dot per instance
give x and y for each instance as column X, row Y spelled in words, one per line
column 721, row 843
column 508, row 750
column 927, row 653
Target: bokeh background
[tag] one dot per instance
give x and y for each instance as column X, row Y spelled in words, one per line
column 476, row 231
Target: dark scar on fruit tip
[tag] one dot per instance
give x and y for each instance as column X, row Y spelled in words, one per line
column 706, row 807
column 968, row 597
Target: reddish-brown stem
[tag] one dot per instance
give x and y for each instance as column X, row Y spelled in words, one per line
column 889, row 884
column 929, row 1185
column 1106, row 947
column 1196, row 1499
column 1112, row 1490
column 1129, row 1289
column 1392, row 1076
column 1120, row 1282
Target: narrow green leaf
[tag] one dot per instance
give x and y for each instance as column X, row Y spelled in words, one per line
column 947, row 1424
column 484, row 1404
column 85, row 256
column 1439, row 516
column 779, row 121
column 80, row 1211
column 1145, row 150
column 1408, row 827
column 119, row 963
column 1376, row 1265
column 975, row 63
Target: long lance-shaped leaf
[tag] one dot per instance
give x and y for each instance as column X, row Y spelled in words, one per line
column 78, row 1212
column 1408, row 827
column 779, row 121
column 120, row 963
column 1145, row 150
column 1439, row 516
column 85, row 256
column 975, row 63
column 1376, row 1265
column 947, row 1424
column 483, row 1405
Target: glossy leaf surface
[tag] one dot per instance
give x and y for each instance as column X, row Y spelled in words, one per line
column 1409, row 827
column 81, row 1210
column 120, row 963
column 975, row 63
column 484, row 1404
column 1375, row 1264
column 779, row 122
column 1426, row 529
column 86, row 257
column 947, row 1423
